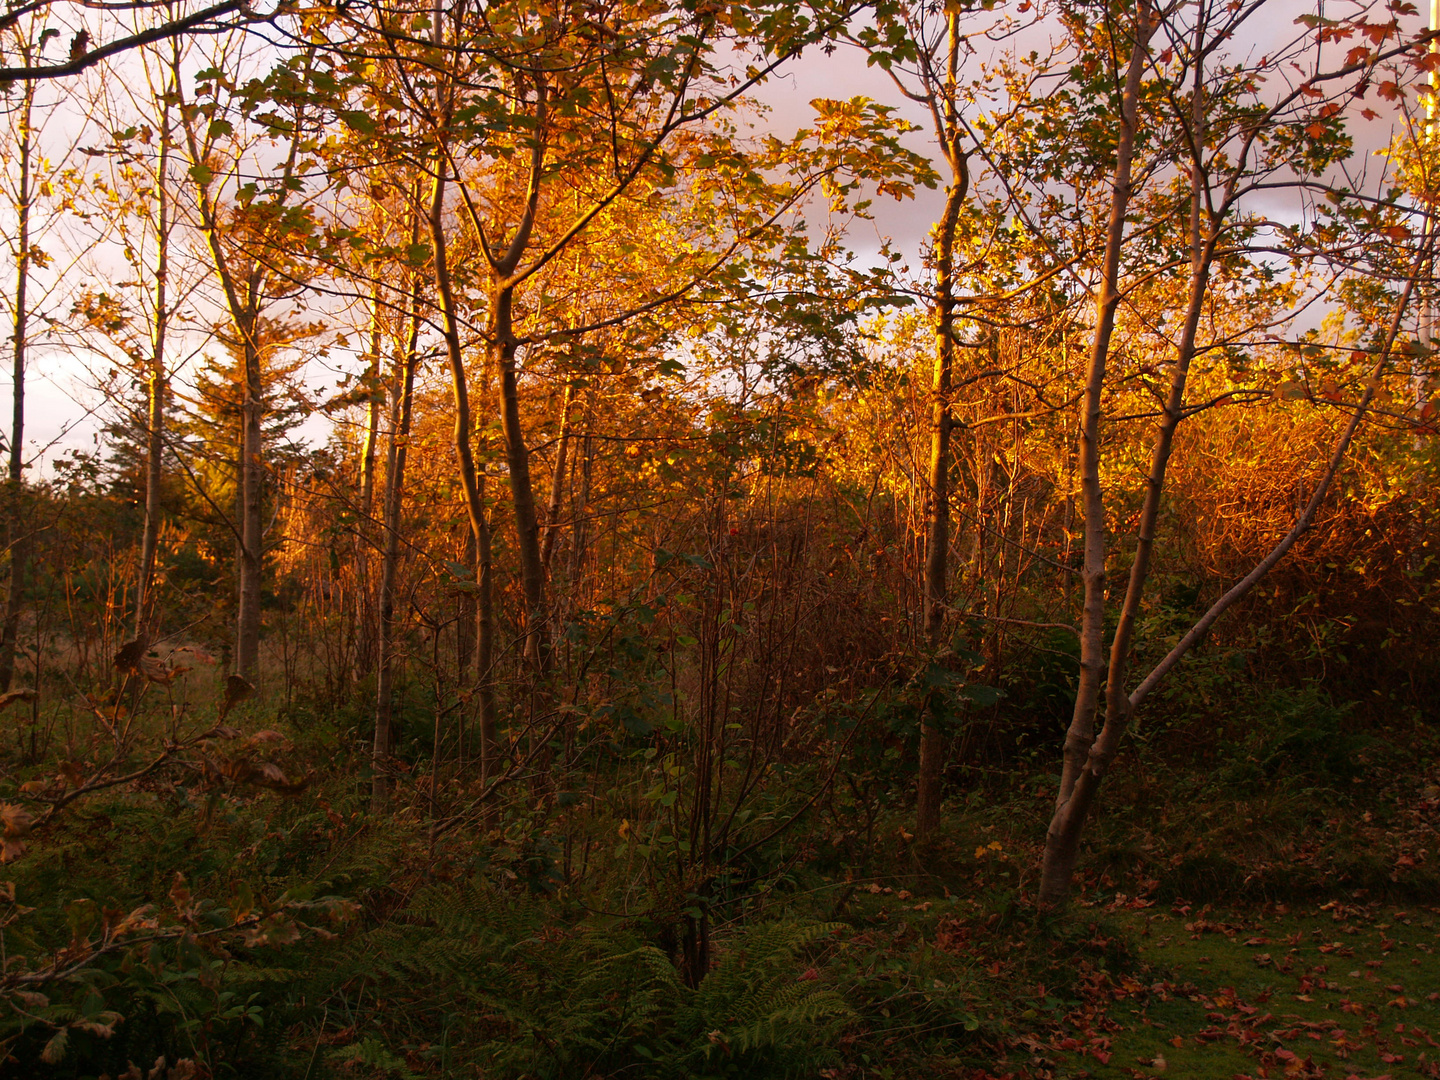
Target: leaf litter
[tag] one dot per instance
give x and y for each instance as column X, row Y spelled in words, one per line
column 1343, row 990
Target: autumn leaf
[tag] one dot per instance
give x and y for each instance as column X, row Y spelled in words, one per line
column 10, row 697
column 16, row 821
column 180, row 892
column 54, row 1051
column 130, row 656
column 275, row 930
column 237, row 690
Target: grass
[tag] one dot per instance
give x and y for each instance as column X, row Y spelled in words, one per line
column 1332, row 989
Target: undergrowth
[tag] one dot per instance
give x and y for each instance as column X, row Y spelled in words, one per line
column 189, row 926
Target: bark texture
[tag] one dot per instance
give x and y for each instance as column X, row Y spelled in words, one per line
column 17, row 530
column 937, row 550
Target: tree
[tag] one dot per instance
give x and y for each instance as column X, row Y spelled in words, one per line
column 253, row 244
column 1190, row 102
column 17, row 531
column 138, row 199
column 511, row 106
column 402, row 401
column 33, row 183
column 933, row 47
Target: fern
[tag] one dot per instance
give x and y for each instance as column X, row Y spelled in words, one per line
column 754, row 1002
column 373, row 1053
column 535, row 1000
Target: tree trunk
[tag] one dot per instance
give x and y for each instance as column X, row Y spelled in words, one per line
column 932, row 739
column 397, row 451
column 470, row 478
column 522, row 492
column 557, row 480
column 1063, row 839
column 155, row 392
column 580, row 511
column 244, row 301
column 485, row 650
column 17, row 529
column 252, row 480
column 466, row 613
column 364, row 539
column 500, row 333
column 375, row 400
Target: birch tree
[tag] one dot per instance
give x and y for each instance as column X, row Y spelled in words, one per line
column 1236, row 128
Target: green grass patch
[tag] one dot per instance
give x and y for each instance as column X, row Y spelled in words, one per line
column 1335, row 989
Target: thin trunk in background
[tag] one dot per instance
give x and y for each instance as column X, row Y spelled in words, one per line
column 485, row 645
column 155, row 388
column 396, row 454
column 375, row 401
column 557, row 479
column 17, row 531
column 579, row 512
column 466, row 613
column 365, row 533
column 252, row 478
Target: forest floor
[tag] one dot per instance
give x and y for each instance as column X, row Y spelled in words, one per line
column 1139, row 988
column 1227, row 923
column 1264, row 935
column 1327, row 989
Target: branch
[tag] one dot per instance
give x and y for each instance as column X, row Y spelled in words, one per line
column 171, row 29
column 1307, row 516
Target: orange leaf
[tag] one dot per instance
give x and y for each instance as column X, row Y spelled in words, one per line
column 16, row 819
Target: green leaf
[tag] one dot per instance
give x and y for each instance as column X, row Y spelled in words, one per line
column 936, row 676
column 634, row 723
column 980, row 695
column 358, row 121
